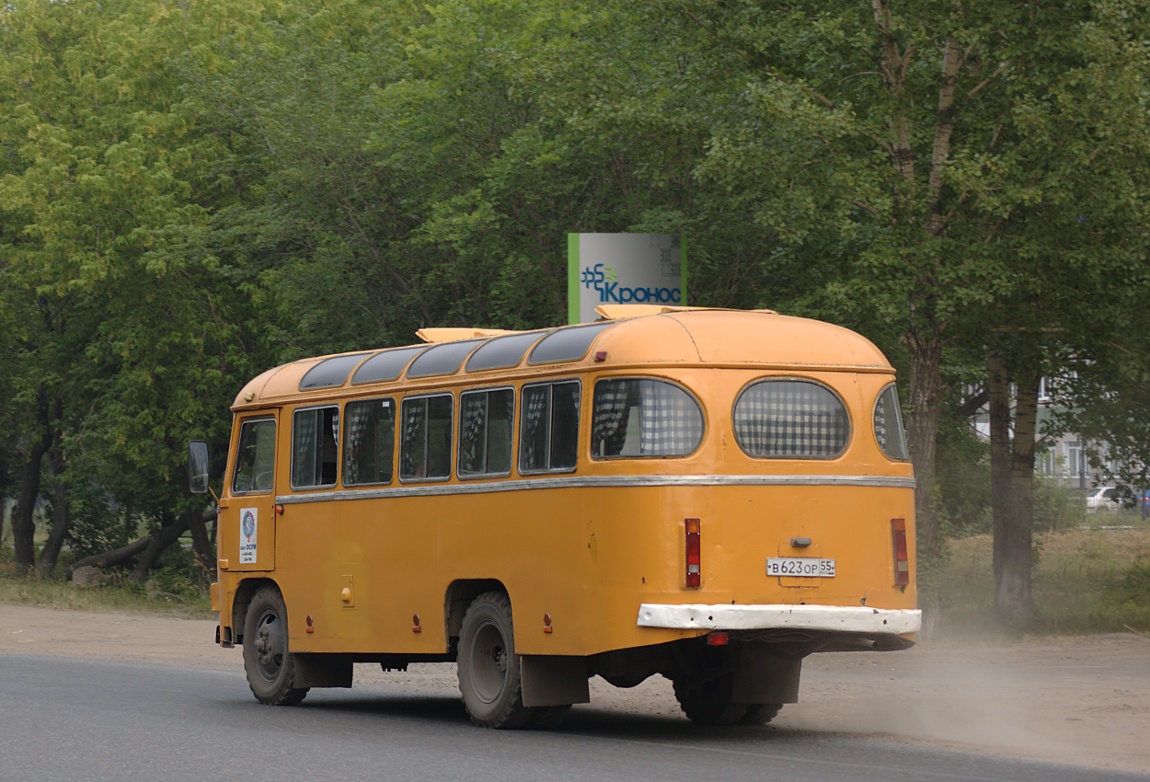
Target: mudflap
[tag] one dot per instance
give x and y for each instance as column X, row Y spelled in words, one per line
column 550, row 680
column 322, row 670
column 766, row 675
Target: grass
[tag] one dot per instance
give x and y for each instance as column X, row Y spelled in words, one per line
column 1086, row 580
column 117, row 596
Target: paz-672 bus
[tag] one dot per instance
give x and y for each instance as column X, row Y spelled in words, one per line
column 709, row 495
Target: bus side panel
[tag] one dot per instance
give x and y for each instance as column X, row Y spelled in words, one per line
column 373, row 574
column 577, row 563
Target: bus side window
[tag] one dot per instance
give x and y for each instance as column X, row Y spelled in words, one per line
column 485, row 432
column 549, row 427
column 315, row 433
column 255, row 457
column 425, row 450
column 642, row 418
column 888, row 429
column 369, row 442
column 564, row 426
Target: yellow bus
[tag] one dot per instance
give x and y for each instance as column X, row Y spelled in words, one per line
column 710, row 495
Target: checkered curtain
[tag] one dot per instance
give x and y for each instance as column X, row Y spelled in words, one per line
column 535, row 402
column 304, row 448
column 471, row 451
column 414, row 425
column 670, row 424
column 880, row 421
column 501, row 414
column 610, row 415
column 787, row 418
column 358, row 415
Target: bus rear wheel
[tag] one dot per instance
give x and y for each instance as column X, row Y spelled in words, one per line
column 760, row 713
column 490, row 673
column 269, row 666
column 709, row 702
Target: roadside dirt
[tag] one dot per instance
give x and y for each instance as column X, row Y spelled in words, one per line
column 1082, row 701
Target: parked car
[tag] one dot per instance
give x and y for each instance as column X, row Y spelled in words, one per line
column 1104, row 498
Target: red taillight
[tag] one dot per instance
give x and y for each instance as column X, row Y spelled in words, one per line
column 694, row 558
column 901, row 558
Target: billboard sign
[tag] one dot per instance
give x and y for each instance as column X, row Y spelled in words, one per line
column 624, row 269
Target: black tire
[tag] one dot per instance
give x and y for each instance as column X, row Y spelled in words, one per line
column 490, row 673
column 269, row 666
column 709, row 702
column 760, row 713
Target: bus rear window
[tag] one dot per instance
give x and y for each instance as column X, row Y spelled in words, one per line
column 641, row 418
column 791, row 419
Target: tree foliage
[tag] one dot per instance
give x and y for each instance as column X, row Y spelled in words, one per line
column 191, row 192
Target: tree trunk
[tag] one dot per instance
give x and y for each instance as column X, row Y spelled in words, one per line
column 116, row 556
column 3, row 498
column 925, row 404
column 202, row 546
column 59, row 532
column 157, row 543
column 61, row 516
column 23, row 521
column 1012, row 491
column 148, row 549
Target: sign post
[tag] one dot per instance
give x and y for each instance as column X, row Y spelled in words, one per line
column 624, row 269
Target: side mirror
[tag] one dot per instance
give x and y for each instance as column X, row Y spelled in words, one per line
column 199, row 467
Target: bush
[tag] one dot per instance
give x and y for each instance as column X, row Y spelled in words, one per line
column 1056, row 507
column 963, row 468
column 95, row 525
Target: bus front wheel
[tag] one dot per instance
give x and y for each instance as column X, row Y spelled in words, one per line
column 490, row 674
column 269, row 666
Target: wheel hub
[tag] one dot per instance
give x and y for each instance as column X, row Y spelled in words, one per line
column 269, row 647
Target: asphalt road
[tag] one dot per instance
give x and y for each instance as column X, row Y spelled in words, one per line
column 77, row 720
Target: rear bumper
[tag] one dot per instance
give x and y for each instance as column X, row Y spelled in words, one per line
column 836, row 619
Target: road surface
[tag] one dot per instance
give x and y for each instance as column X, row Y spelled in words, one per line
column 1081, row 701
column 70, row 719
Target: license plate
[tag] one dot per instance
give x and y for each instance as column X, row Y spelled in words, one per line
column 802, row 567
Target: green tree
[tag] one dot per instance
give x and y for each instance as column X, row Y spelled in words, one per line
column 124, row 331
column 423, row 166
column 950, row 147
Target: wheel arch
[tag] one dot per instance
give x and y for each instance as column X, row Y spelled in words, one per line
column 459, row 595
column 243, row 598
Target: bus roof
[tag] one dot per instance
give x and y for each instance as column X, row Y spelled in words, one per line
column 634, row 337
